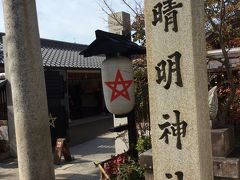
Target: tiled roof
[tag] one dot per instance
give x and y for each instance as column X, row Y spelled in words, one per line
column 63, row 55
column 233, row 54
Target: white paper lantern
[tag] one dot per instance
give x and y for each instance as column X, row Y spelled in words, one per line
column 118, row 86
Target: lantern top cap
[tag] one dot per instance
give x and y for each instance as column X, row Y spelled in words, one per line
column 112, row 44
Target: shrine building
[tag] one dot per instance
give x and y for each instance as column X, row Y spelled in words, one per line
column 74, row 91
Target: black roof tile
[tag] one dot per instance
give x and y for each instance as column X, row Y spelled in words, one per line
column 112, row 44
column 63, row 55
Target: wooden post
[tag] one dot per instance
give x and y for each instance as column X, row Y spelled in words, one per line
column 132, row 135
column 61, row 149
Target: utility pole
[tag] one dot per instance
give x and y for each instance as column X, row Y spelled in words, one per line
column 28, row 90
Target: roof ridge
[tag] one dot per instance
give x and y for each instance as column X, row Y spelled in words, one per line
column 62, row 42
column 47, row 42
column 58, row 54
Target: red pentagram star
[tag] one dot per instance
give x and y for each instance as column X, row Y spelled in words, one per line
column 119, row 81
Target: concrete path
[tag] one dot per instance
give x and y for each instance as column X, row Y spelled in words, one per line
column 82, row 168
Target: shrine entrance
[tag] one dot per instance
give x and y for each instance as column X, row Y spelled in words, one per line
column 85, row 94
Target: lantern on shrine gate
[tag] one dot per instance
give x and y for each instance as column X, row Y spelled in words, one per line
column 118, row 86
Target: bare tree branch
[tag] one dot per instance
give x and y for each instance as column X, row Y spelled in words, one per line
column 128, row 5
column 112, row 12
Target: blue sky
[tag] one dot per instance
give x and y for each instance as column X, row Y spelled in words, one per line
column 70, row 20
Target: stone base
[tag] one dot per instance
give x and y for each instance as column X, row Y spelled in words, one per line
column 146, row 162
column 226, row 168
column 222, row 141
column 223, row 168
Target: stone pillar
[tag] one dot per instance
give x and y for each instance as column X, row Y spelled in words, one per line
column 119, row 23
column 28, row 90
column 11, row 125
column 177, row 77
